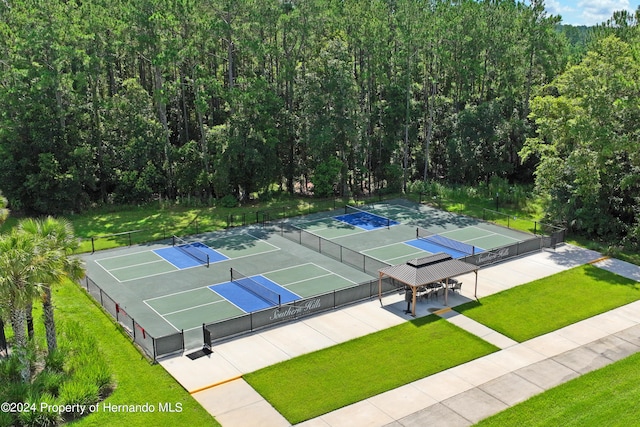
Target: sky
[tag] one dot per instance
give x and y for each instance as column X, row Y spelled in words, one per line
column 588, row 12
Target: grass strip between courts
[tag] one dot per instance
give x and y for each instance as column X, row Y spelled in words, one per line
column 608, row 396
column 316, row 383
column 551, row 303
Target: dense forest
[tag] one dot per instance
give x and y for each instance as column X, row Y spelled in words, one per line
column 126, row 101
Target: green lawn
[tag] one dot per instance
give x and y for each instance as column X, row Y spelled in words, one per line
column 551, row 303
column 137, row 381
column 154, row 222
column 313, row 384
column 606, row 397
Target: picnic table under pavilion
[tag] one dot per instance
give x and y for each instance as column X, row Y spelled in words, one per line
column 419, row 273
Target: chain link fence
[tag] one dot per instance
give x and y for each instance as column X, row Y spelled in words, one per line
column 154, row 347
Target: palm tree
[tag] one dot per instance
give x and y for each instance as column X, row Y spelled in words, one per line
column 54, row 235
column 24, row 266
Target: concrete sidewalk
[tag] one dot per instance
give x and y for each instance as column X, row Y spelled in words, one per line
column 459, row 396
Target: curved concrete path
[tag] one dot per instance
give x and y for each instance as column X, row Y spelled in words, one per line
column 459, row 396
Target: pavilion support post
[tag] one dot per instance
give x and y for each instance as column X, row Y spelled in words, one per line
column 414, row 291
column 446, row 292
column 475, row 292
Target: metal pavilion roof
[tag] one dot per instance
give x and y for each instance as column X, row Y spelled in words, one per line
column 429, row 269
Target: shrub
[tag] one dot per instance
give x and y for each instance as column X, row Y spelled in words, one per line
column 229, row 201
column 10, row 369
column 80, row 391
column 55, row 361
column 49, row 382
column 40, row 418
column 6, row 419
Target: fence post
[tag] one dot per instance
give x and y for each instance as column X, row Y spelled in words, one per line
column 129, row 238
column 93, row 248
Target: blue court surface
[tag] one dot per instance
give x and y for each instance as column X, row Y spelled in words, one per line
column 250, row 301
column 183, row 260
column 435, row 248
column 366, row 220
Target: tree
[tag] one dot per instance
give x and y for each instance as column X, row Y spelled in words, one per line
column 587, row 143
column 54, row 236
column 24, row 267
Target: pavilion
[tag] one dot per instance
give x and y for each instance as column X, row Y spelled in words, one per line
column 419, row 273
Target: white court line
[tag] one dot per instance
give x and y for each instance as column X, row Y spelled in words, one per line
column 134, row 253
column 402, row 259
column 260, row 240
column 182, row 292
column 137, row 265
column 161, row 316
column 193, row 307
column 393, row 244
column 108, row 272
column 310, row 278
column 225, row 299
column 305, row 280
column 295, row 266
column 153, row 275
column 208, row 287
column 250, row 255
column 383, row 246
column 346, row 235
column 213, row 284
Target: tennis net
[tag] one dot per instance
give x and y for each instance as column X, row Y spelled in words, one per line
column 254, row 287
column 375, row 219
column 465, row 248
column 192, row 250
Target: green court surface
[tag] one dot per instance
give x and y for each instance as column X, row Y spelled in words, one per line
column 308, row 280
column 193, row 318
column 320, row 256
column 129, row 260
column 481, row 238
column 286, row 276
column 190, row 309
column 328, row 228
column 319, row 285
column 241, row 245
column 183, row 300
column 134, row 266
column 396, row 253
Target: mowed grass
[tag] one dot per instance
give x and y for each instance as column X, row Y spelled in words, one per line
column 606, row 397
column 551, row 303
column 153, row 222
column 313, row 384
column 137, row 381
